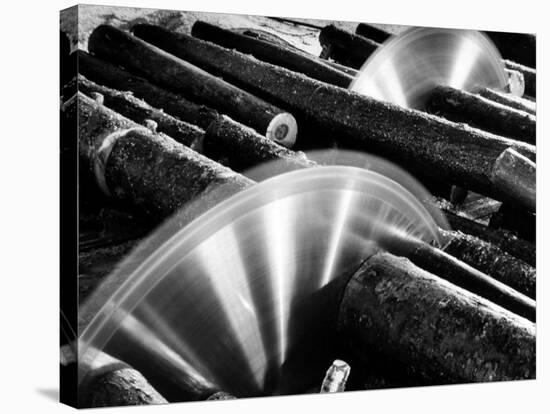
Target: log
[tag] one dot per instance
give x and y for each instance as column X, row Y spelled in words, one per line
column 462, row 106
column 346, row 48
column 517, row 175
column 110, row 75
column 422, row 142
column 149, row 171
column 336, row 377
column 270, row 37
column 136, row 55
column 515, row 83
column 371, row 32
column 510, row 100
column 140, row 112
column 491, row 260
column 111, row 382
column 450, row 268
column 265, row 51
column 242, row 148
column 519, row 47
column 440, row 331
column 529, row 76
column 503, row 239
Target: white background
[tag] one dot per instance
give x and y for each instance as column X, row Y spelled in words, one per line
column 29, row 151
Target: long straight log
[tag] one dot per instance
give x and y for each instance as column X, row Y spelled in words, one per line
column 503, row 239
column 139, row 111
column 371, row 32
column 423, row 142
column 147, row 170
column 138, row 56
column 510, row 100
column 461, row 106
column 271, row 38
column 345, row 47
column 242, row 148
column 448, row 334
column 529, row 76
column 268, row 52
column 491, row 260
column 518, row 47
column 105, row 73
column 448, row 267
column 517, row 175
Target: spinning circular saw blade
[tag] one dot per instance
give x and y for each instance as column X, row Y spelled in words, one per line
column 408, row 66
column 239, row 299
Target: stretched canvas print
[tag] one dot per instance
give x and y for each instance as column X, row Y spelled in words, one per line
column 258, row 206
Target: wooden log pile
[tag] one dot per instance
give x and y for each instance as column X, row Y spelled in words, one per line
column 153, row 140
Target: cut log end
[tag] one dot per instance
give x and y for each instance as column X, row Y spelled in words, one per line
column 283, row 129
column 516, row 174
column 516, row 82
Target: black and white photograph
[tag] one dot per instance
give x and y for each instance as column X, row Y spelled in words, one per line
column 262, row 206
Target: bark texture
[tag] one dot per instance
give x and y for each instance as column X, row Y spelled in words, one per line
column 440, row 331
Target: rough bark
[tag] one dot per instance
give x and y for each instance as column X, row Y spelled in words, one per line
column 519, row 47
column 529, row 76
column 136, row 55
column 109, row 382
column 503, row 239
column 265, row 51
column 440, row 331
column 346, row 48
column 110, row 75
column 462, row 106
column 510, row 100
column 270, row 37
column 371, row 32
column 149, row 171
column 517, row 175
column 139, row 111
column 122, row 387
column 240, row 147
column 492, row 261
column 425, row 143
column 450, row 268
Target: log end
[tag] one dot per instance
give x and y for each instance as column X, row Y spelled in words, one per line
column 516, row 82
column 283, row 129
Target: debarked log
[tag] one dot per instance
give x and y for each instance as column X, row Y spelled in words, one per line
column 136, row 55
column 345, row 47
column 425, row 143
column 149, row 171
column 461, row 106
column 108, row 74
column 263, row 50
column 491, row 260
column 529, row 76
column 139, row 111
column 446, row 333
column 510, row 100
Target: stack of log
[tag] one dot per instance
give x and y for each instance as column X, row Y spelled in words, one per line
column 165, row 118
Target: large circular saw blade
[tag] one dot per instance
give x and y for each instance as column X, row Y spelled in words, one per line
column 405, row 69
column 240, row 299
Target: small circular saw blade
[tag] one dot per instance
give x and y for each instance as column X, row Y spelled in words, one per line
column 406, row 68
